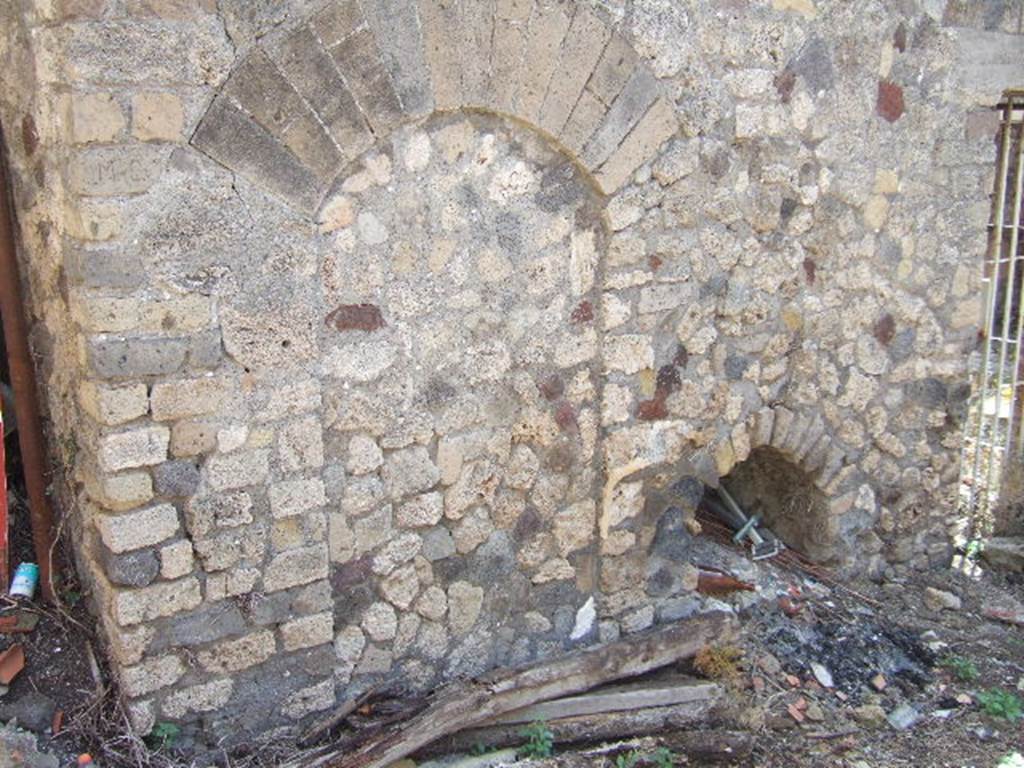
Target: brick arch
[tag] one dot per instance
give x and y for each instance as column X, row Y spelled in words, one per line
column 801, row 438
column 304, row 102
column 803, row 441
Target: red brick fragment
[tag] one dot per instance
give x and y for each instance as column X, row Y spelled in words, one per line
column 890, row 101
column 810, row 270
column 12, row 661
column 552, row 387
column 57, row 723
column 653, row 409
column 29, row 135
column 356, row 317
column 789, row 607
column 583, row 313
column 784, row 83
column 885, row 329
column 899, row 38
column 565, row 417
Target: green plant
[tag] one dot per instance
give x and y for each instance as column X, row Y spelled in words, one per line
column 628, row 759
column 1001, row 703
column 69, row 448
column 963, row 669
column 540, row 741
column 664, row 757
column 163, row 736
column 479, row 749
column 1016, row 760
column 973, row 549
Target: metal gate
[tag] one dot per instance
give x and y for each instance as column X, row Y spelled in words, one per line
column 995, row 427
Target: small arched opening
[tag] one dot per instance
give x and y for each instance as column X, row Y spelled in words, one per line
column 785, row 498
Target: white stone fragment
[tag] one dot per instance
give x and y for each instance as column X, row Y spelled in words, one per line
column 585, row 618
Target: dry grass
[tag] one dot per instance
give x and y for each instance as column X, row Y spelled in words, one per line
column 104, row 729
column 720, row 662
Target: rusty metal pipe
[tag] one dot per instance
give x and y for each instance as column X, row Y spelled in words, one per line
column 23, row 381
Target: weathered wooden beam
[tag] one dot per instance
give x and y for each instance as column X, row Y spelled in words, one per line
column 582, row 729
column 675, row 689
column 471, row 702
column 336, row 718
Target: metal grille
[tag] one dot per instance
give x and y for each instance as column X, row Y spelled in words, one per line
column 995, row 427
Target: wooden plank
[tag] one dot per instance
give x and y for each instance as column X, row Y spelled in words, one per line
column 471, row 702
column 585, row 729
column 337, row 717
column 683, row 690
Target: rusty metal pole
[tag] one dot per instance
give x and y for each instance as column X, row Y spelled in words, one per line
column 23, row 381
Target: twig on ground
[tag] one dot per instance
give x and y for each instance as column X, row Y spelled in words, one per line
column 827, row 736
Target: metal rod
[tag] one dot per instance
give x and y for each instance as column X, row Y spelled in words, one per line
column 1014, row 247
column 23, row 380
column 5, row 572
column 994, row 252
column 993, row 477
column 755, row 537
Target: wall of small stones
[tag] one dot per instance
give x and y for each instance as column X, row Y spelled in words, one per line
column 397, row 340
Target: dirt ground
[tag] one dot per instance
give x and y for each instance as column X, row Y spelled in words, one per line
column 962, row 656
column 858, row 631
column 62, row 682
column 935, row 664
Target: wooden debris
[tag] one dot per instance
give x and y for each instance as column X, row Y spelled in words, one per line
column 829, row 735
column 675, row 689
column 584, row 729
column 12, row 661
column 336, row 718
column 468, row 703
column 57, row 724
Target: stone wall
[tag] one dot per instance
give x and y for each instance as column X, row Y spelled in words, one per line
column 397, row 340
